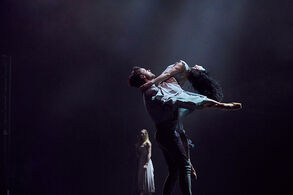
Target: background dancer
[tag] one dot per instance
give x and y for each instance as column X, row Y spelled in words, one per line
column 146, row 184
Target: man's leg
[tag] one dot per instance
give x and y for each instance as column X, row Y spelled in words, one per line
column 172, row 144
column 184, row 139
column 172, row 175
column 185, row 180
column 183, row 160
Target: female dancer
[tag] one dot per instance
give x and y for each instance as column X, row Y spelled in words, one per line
column 145, row 166
column 197, row 76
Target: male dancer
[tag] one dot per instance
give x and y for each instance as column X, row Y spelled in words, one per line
column 167, row 118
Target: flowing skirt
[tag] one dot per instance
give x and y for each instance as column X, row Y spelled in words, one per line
column 146, row 181
column 172, row 93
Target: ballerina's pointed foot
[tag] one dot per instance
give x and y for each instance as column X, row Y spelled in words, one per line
column 237, row 106
column 232, row 106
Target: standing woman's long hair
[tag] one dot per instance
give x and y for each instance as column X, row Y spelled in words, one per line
column 205, row 84
column 142, row 141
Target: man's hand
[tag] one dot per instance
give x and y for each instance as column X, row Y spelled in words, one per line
column 146, row 85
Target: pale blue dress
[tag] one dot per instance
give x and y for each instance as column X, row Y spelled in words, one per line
column 170, row 91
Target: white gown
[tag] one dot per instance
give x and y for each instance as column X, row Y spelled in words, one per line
column 146, row 181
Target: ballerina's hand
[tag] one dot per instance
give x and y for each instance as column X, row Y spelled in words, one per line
column 146, row 85
column 197, row 67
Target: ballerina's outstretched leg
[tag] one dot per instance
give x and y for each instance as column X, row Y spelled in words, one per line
column 224, row 106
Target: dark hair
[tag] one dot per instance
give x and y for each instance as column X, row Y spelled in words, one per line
column 134, row 80
column 205, row 85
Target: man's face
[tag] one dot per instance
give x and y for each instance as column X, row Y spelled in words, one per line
column 147, row 73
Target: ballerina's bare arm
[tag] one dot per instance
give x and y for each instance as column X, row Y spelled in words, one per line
column 178, row 67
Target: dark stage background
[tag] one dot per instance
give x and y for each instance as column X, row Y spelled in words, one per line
column 75, row 120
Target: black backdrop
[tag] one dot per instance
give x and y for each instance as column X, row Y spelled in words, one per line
column 75, row 120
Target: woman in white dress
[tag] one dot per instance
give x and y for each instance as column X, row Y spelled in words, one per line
column 145, row 175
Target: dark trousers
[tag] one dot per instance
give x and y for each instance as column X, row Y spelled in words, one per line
column 174, row 151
